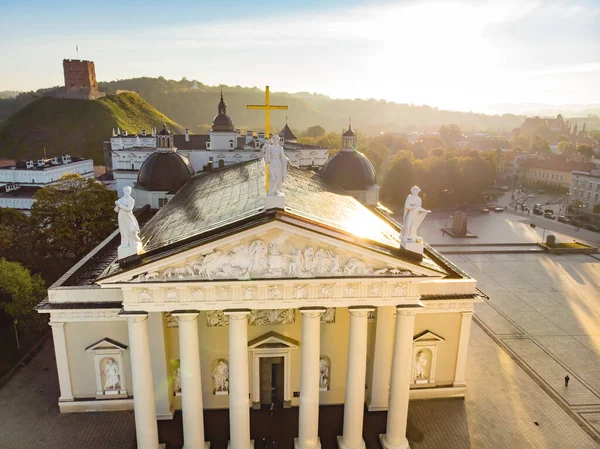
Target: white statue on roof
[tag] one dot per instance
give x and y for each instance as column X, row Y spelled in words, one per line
column 277, row 162
column 414, row 214
column 128, row 225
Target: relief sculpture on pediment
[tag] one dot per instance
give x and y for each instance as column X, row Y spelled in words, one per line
column 279, row 258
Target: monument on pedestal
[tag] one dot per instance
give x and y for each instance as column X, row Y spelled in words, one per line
column 414, row 215
column 459, row 223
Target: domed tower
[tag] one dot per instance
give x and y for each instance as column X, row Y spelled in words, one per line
column 162, row 174
column 223, row 136
column 352, row 171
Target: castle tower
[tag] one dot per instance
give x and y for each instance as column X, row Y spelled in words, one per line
column 80, row 79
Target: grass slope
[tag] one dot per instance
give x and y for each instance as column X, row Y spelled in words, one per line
column 76, row 127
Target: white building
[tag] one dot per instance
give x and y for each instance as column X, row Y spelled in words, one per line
column 585, row 190
column 223, row 146
column 19, row 182
column 231, row 303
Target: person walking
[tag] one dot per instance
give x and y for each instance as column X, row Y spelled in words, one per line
column 272, row 408
column 567, row 379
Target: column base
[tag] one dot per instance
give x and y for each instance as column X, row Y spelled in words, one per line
column 229, row 444
column 340, row 444
column 206, row 446
column 297, row 444
column 377, row 406
column 386, row 445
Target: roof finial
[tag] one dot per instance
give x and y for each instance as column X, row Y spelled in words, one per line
column 349, row 122
column 286, row 120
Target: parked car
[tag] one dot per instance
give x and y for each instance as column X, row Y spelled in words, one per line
column 484, row 210
column 531, row 195
column 563, row 219
column 591, row 227
column 537, row 211
column 499, row 209
column 541, row 191
column 549, row 215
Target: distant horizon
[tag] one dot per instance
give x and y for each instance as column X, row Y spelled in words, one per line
column 493, row 109
column 461, row 55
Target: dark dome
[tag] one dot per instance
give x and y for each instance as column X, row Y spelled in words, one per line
column 350, row 170
column 165, row 131
column 164, row 171
column 222, row 122
column 349, row 132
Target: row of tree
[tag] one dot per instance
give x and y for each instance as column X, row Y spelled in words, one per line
column 68, row 219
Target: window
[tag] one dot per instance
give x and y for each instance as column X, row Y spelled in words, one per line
column 162, row 202
column 596, row 198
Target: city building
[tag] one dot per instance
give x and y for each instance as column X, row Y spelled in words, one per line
column 224, row 145
column 554, row 171
column 19, row 182
column 585, row 191
column 232, row 302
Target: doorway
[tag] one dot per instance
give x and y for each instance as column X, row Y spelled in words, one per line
column 272, row 376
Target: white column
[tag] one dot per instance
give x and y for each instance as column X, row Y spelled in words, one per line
column 144, row 402
column 308, row 432
column 62, row 361
column 239, row 389
column 191, row 381
column 463, row 347
column 382, row 359
column 395, row 436
column 159, row 366
column 354, row 403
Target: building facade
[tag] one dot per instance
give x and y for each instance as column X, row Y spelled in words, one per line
column 585, row 190
column 553, row 172
column 19, row 182
column 233, row 304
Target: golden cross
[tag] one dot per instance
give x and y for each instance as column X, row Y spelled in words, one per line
column 267, row 107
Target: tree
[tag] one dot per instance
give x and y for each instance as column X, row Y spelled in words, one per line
column 596, row 209
column 17, row 239
column 520, row 142
column 314, row 131
column 400, row 178
column 566, row 148
column 585, row 150
column 20, row 292
column 72, row 216
column 450, row 134
column 539, row 145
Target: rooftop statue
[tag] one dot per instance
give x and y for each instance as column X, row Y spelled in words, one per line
column 128, row 225
column 278, row 163
column 414, row 214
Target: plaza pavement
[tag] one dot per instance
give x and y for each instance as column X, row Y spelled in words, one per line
column 545, row 311
column 500, row 409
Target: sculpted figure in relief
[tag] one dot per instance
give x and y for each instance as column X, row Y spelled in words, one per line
column 221, row 376
column 420, row 364
column 177, row 380
column 278, row 166
column 308, row 254
column 128, row 224
column 414, row 215
column 295, row 261
column 324, row 374
column 113, row 375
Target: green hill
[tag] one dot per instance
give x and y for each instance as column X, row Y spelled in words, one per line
column 76, row 127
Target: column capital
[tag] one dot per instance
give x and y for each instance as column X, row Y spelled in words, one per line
column 409, row 309
column 312, row 312
column 134, row 317
column 185, row 315
column 467, row 314
column 237, row 314
column 57, row 323
column 360, row 311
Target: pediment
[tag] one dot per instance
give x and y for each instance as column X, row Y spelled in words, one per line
column 273, row 340
column 275, row 250
column 106, row 344
column 427, row 336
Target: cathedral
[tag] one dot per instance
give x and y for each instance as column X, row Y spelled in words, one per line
column 224, row 145
column 260, row 283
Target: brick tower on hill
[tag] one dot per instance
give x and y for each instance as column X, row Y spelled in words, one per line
column 80, row 80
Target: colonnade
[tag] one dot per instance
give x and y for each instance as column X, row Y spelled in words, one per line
column 239, row 401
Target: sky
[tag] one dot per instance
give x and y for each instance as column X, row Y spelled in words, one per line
column 461, row 55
